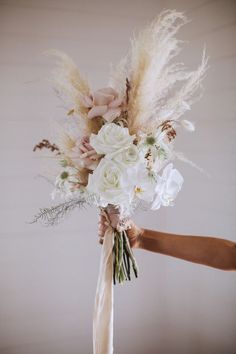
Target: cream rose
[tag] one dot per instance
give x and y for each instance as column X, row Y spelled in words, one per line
column 129, row 157
column 108, row 182
column 111, row 138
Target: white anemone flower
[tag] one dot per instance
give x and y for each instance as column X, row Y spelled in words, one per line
column 67, row 183
column 157, row 144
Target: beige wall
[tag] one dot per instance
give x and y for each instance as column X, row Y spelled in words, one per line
column 48, row 276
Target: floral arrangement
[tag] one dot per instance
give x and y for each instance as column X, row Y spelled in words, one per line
column 116, row 147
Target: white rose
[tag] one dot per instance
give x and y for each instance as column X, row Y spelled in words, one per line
column 110, row 138
column 110, row 184
column 167, row 188
column 133, row 163
column 129, row 157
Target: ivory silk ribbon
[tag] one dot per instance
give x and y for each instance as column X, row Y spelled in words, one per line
column 103, row 307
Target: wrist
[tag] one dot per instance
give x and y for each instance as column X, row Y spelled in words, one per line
column 139, row 240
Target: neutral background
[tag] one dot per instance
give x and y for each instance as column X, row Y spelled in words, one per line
column 48, row 276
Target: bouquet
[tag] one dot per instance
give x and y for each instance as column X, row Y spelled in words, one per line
column 116, row 147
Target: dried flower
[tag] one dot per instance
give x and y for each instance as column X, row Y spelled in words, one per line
column 170, row 131
column 103, row 103
column 89, row 157
column 47, row 145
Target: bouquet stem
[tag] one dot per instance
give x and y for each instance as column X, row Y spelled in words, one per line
column 123, row 258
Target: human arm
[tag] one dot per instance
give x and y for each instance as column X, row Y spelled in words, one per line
column 210, row 251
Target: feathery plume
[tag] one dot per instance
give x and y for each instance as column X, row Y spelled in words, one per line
column 153, row 79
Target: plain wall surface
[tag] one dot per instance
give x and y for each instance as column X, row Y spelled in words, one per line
column 48, row 275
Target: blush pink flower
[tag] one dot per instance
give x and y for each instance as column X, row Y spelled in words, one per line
column 103, row 103
column 88, row 155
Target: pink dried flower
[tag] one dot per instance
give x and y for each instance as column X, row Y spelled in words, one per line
column 105, row 103
column 88, row 155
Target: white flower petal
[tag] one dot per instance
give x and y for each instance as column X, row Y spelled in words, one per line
column 167, row 188
column 188, row 125
column 97, row 111
column 111, row 114
column 115, row 103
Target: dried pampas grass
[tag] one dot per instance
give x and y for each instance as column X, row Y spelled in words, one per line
column 72, row 86
column 67, row 78
column 159, row 89
column 153, row 78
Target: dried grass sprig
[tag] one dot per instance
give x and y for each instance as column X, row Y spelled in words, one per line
column 185, row 96
column 53, row 215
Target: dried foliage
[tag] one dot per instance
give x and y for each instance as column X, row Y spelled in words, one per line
column 53, row 215
column 67, row 77
column 170, row 131
column 45, row 144
column 128, row 88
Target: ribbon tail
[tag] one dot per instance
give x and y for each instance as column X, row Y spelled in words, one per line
column 103, row 307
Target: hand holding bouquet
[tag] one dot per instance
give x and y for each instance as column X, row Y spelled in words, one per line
column 116, row 147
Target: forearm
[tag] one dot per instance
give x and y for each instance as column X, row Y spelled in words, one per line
column 210, row 251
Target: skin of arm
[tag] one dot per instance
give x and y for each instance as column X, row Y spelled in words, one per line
column 210, row 251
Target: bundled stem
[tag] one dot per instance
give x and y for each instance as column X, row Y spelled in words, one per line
column 123, row 258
